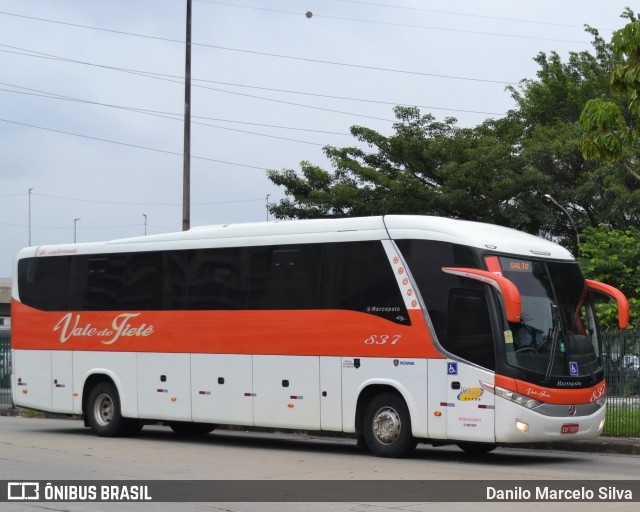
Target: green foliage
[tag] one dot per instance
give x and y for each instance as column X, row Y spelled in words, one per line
column 622, row 421
column 613, row 257
column 498, row 171
column 607, row 133
column 426, row 167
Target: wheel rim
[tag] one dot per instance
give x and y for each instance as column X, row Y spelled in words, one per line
column 103, row 409
column 386, row 425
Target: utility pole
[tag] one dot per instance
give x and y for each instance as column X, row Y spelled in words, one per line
column 267, row 207
column 186, row 167
column 75, row 229
column 30, row 216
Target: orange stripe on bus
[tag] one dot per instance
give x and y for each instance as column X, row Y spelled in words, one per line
column 291, row 332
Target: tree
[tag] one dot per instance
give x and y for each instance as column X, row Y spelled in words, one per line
column 426, row 167
column 548, row 109
column 498, row 171
column 613, row 256
column 610, row 133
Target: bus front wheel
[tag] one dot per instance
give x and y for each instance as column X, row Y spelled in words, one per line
column 386, row 426
column 103, row 411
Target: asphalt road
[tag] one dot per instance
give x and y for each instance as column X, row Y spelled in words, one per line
column 62, row 449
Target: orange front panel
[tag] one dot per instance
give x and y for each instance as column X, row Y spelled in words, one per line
column 552, row 395
column 295, row 332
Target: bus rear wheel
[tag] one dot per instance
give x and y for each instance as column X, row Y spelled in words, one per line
column 386, row 426
column 103, row 411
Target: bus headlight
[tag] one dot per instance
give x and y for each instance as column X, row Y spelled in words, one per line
column 602, row 400
column 524, row 401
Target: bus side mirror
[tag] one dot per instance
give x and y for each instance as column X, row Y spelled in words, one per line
column 508, row 290
column 614, row 293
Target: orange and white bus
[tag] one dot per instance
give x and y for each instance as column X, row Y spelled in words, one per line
column 400, row 329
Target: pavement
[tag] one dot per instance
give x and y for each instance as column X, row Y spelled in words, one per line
column 603, row 444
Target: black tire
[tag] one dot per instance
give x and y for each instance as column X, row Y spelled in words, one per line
column 477, row 449
column 103, row 411
column 386, row 426
column 192, row 429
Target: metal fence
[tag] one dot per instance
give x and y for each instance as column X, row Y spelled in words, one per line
column 5, row 367
column 621, row 353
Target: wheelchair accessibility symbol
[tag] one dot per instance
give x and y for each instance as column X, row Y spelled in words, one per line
column 573, row 368
column 452, row 368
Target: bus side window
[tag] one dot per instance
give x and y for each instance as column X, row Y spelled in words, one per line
column 470, row 335
column 105, row 281
column 174, row 280
column 142, row 287
column 357, row 276
column 44, row 282
column 285, row 277
column 218, row 279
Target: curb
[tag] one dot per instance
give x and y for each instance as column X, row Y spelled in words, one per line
column 620, row 445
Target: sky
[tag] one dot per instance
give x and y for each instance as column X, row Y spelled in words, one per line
column 92, row 97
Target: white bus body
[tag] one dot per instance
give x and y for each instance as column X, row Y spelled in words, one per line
column 399, row 328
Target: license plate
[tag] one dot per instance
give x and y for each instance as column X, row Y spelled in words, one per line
column 570, row 428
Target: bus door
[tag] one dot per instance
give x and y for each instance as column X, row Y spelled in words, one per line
column 470, row 408
column 468, row 335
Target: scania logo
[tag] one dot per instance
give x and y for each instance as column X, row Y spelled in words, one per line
column 572, row 410
column 396, row 362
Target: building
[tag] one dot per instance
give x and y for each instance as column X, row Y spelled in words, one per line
column 5, row 302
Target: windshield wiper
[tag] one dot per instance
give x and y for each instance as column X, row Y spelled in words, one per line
column 555, row 336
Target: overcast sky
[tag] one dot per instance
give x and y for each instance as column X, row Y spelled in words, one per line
column 271, row 87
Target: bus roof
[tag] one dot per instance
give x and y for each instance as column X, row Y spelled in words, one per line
column 475, row 234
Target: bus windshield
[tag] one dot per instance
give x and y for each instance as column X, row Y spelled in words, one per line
column 558, row 333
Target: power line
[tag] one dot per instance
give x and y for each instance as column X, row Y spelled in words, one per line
column 462, row 31
column 159, row 113
column 177, row 117
column 275, row 55
column 346, row 98
column 131, row 145
column 124, row 203
column 178, row 80
column 164, row 116
column 298, row 13
column 73, row 228
column 160, row 76
column 516, row 20
column 404, row 25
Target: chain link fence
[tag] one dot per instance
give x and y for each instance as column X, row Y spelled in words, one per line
column 620, row 350
column 5, row 367
column 621, row 354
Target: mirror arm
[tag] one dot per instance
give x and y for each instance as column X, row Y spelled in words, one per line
column 508, row 290
column 614, row 293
